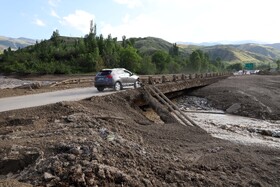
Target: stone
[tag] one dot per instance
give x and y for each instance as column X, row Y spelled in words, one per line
column 234, row 108
column 48, row 176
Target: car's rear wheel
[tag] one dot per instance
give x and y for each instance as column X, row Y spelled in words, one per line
column 117, row 86
column 137, row 84
column 101, row 89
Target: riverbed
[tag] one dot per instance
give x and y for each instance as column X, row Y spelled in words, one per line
column 238, row 129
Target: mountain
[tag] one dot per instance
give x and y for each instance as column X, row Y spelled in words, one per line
column 231, row 53
column 243, row 53
column 221, row 43
column 148, row 45
column 275, row 46
column 15, row 43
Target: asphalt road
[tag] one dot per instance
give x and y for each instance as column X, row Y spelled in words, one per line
column 26, row 101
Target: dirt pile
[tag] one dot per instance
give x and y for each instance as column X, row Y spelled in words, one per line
column 254, row 96
column 102, row 141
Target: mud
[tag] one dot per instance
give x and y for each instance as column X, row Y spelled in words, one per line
column 108, row 141
column 255, row 96
column 241, row 130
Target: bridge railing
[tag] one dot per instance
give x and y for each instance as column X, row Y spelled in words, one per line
column 150, row 79
column 158, row 79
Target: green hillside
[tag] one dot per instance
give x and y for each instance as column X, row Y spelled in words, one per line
column 147, row 55
column 240, row 53
column 228, row 53
column 149, row 45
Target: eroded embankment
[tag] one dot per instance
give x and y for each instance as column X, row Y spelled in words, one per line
column 108, row 141
column 254, row 96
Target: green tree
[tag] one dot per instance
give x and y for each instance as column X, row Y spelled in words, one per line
column 159, row 58
column 111, row 52
column 124, row 42
column 195, row 61
column 147, row 67
column 235, row 67
column 55, row 37
column 129, row 59
column 278, row 64
column 219, row 64
column 174, row 50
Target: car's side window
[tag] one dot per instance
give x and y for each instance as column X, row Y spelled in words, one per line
column 127, row 73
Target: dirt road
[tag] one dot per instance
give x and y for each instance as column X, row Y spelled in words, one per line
column 108, row 141
column 26, row 101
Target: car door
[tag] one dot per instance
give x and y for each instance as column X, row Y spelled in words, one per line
column 126, row 76
column 122, row 77
column 130, row 78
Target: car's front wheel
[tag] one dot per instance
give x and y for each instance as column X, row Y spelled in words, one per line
column 101, row 89
column 118, row 86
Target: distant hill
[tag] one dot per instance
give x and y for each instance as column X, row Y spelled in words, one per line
column 148, row 45
column 15, row 43
column 229, row 53
column 243, row 53
column 248, row 52
column 275, row 46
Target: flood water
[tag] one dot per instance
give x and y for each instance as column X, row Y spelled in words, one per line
column 238, row 129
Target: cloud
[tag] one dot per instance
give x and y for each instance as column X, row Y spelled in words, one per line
column 53, row 3
column 130, row 3
column 139, row 26
column 54, row 14
column 39, row 22
column 198, row 21
column 79, row 20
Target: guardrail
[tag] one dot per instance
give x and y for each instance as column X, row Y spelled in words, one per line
column 158, row 79
column 150, row 79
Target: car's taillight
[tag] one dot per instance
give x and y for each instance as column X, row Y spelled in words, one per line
column 109, row 76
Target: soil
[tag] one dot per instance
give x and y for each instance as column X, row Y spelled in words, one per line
column 256, row 96
column 109, row 141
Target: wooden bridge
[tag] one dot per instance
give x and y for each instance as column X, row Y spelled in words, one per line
column 158, row 89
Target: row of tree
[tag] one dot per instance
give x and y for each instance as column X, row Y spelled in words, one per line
column 64, row 55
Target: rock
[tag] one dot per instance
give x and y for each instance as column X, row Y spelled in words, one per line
column 12, row 183
column 234, row 108
column 71, row 157
column 78, row 177
column 266, row 132
column 103, row 133
column 48, row 176
column 276, row 134
column 224, row 127
column 76, row 151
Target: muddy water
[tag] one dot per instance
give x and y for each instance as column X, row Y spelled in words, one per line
column 237, row 129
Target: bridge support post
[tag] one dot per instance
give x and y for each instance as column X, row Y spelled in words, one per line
column 174, row 78
column 163, row 78
column 151, row 81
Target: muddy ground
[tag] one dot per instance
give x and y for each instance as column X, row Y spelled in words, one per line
column 255, row 96
column 108, row 141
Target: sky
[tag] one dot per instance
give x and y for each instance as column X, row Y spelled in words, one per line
column 172, row 20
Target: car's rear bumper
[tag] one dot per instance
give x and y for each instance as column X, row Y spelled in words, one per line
column 107, row 85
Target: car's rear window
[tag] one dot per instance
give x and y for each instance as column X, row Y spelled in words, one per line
column 107, row 72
